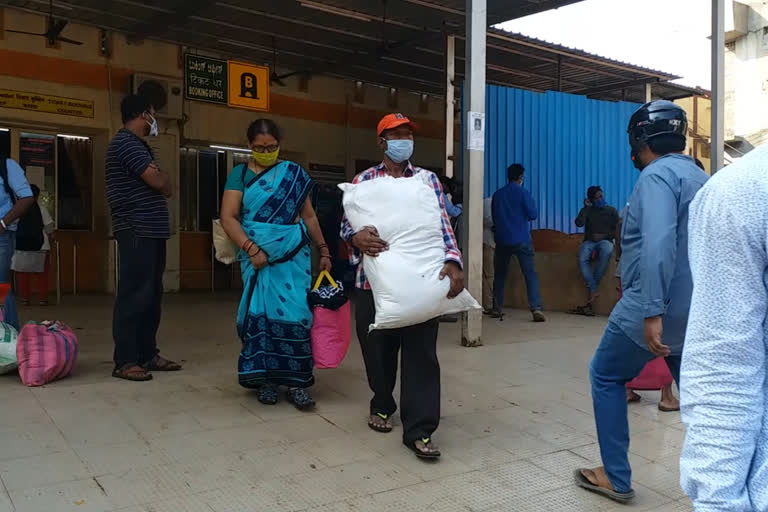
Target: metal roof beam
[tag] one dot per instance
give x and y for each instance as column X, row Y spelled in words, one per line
column 178, row 14
column 616, row 86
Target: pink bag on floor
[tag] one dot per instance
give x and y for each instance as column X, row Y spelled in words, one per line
column 46, row 351
column 331, row 330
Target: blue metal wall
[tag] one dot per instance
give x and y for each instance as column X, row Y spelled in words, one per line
column 566, row 143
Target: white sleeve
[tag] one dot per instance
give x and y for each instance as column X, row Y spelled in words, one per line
column 724, row 368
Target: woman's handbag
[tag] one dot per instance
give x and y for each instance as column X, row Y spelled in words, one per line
column 331, row 329
column 224, row 249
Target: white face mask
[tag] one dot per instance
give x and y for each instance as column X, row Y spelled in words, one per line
column 153, row 129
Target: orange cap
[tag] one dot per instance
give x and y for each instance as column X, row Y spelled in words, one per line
column 390, row 121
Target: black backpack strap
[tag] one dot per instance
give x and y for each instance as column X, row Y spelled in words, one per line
column 244, row 172
column 4, row 176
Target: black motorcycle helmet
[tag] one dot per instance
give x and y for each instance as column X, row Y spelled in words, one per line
column 660, row 117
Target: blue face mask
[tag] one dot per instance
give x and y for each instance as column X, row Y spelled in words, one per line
column 399, row 150
column 599, row 203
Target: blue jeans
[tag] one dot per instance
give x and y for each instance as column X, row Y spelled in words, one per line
column 525, row 257
column 617, row 361
column 593, row 276
column 7, row 248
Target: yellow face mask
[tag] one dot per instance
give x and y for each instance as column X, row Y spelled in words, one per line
column 266, row 159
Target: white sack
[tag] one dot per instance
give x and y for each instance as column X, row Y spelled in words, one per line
column 405, row 280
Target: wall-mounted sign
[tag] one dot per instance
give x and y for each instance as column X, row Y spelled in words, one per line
column 248, row 86
column 45, row 103
column 205, row 79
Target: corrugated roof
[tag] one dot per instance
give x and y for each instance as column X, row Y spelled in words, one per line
column 362, row 39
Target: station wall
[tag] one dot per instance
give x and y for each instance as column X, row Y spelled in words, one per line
column 323, row 125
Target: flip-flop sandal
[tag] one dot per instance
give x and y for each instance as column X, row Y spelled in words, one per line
column 422, row 454
column 634, row 398
column 267, row 394
column 386, row 428
column 620, row 497
column 668, row 409
column 161, row 364
column 133, row 373
column 300, row 398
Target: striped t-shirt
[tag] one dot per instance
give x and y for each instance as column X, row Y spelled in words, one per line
column 134, row 204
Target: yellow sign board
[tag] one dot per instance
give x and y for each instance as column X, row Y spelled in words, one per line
column 47, row 104
column 248, row 86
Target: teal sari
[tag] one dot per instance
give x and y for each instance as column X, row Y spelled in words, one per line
column 274, row 319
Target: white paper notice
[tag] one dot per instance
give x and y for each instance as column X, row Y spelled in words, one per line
column 476, row 131
column 36, row 176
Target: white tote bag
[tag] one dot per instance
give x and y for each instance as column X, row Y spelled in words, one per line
column 225, row 250
column 405, row 280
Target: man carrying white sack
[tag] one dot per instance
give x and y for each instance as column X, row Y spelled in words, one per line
column 420, row 380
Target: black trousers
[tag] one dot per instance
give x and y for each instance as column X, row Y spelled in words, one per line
column 139, row 297
column 420, row 378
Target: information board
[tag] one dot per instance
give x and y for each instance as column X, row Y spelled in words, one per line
column 205, row 79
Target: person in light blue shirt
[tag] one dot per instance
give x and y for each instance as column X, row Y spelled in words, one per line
column 723, row 389
column 15, row 199
column 650, row 319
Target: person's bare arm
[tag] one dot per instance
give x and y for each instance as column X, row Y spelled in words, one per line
column 157, row 179
column 316, row 234
column 230, row 221
column 313, row 225
column 19, row 209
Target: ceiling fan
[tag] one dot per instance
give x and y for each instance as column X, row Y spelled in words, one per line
column 53, row 34
column 274, row 78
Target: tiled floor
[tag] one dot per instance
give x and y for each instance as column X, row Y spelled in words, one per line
column 517, row 421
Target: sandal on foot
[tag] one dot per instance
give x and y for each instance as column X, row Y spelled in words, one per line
column 161, row 364
column 585, row 483
column 300, row 398
column 429, row 452
column 268, row 394
column 633, row 397
column 664, row 408
column 132, row 372
column 380, row 423
column 582, row 310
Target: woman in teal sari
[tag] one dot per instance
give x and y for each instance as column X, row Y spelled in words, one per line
column 266, row 211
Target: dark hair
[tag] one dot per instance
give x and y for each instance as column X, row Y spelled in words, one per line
column 514, row 172
column 666, row 144
column 699, row 164
column 592, row 191
column 35, row 189
column 261, row 127
column 133, row 106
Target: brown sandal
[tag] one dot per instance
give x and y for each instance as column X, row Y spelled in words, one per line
column 161, row 364
column 132, row 372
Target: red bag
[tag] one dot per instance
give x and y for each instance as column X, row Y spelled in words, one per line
column 331, row 330
column 46, row 352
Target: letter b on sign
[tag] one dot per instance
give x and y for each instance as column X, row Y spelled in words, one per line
column 249, row 87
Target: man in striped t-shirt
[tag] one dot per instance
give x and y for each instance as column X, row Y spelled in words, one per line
column 137, row 190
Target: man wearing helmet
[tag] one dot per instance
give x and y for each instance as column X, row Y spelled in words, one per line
column 650, row 319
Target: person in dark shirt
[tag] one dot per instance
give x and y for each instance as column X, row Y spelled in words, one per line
column 600, row 222
column 513, row 208
column 137, row 190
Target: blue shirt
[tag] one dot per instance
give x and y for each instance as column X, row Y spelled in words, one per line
column 723, row 388
column 655, row 275
column 451, row 209
column 134, row 204
column 513, row 209
column 18, row 183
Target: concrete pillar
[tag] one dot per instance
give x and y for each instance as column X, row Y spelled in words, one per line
column 474, row 161
column 718, row 84
column 648, row 92
column 450, row 99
